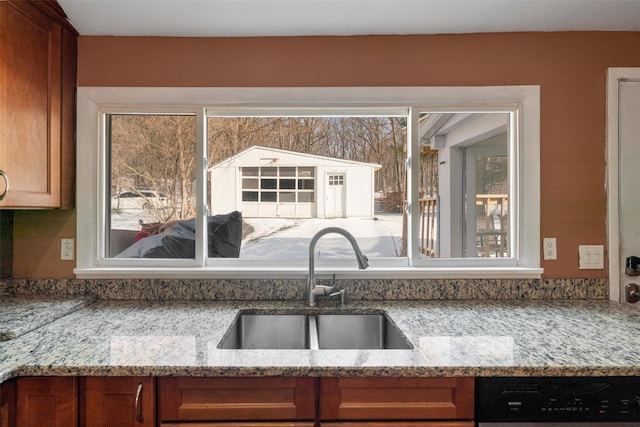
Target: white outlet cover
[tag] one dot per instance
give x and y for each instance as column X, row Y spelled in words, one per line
column 549, row 250
column 67, row 251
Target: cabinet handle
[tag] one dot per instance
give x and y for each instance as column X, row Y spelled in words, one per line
column 138, row 408
column 6, row 181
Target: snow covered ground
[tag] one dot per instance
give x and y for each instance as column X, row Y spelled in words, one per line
column 289, row 237
column 128, row 219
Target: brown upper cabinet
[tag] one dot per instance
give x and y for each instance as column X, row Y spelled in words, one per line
column 38, row 60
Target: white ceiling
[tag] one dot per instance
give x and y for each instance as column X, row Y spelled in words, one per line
column 227, row 18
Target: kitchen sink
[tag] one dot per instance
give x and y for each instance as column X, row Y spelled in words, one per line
column 358, row 331
column 252, row 330
column 267, row 331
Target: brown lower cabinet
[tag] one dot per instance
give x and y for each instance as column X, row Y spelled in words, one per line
column 400, row 424
column 72, row 402
column 328, row 424
column 8, row 404
column 341, row 402
column 117, row 402
column 396, row 398
column 243, row 424
column 46, row 402
column 235, row 402
column 236, row 399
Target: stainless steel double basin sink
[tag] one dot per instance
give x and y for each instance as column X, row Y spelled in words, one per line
column 256, row 330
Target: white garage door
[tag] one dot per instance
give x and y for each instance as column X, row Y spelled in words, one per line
column 278, row 191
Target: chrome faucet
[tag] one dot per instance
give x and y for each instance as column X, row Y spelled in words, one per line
column 312, row 289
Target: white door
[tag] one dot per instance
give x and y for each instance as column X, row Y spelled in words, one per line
column 624, row 176
column 335, row 200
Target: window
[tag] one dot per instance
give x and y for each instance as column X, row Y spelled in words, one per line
column 336, row 180
column 432, row 182
column 465, row 184
column 282, row 179
column 150, row 178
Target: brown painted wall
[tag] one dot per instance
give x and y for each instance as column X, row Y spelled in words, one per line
column 569, row 67
column 36, row 244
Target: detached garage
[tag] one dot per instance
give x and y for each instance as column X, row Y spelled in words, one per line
column 269, row 182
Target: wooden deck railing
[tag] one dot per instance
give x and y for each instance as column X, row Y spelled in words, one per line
column 492, row 225
column 428, row 225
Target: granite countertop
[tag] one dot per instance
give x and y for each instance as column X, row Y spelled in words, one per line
column 20, row 314
column 450, row 338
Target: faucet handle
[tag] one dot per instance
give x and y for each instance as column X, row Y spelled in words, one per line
column 341, row 293
column 322, row 289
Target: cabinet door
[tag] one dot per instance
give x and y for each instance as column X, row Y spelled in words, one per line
column 242, row 424
column 400, row 424
column 30, row 102
column 47, row 402
column 230, row 399
column 117, row 401
column 396, row 398
column 8, row 404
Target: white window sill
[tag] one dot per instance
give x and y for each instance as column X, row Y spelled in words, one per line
column 301, row 273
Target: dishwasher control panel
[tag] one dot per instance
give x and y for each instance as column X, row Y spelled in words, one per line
column 558, row 399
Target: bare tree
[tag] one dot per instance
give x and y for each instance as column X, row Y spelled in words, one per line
column 155, row 152
column 158, row 151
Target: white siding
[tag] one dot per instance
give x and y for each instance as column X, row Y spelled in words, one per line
column 224, row 189
column 226, row 184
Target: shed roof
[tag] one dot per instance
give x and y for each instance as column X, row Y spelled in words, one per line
column 268, row 153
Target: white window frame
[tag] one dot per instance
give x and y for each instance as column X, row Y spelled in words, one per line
column 523, row 102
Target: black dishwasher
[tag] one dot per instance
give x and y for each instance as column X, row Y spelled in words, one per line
column 557, row 401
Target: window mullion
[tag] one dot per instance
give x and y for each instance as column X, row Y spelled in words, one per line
column 413, row 167
column 202, row 210
column 514, row 178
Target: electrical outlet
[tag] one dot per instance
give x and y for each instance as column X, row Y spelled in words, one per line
column 67, row 250
column 549, row 248
column 591, row 257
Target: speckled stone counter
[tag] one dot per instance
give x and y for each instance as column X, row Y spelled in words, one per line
column 452, row 338
column 294, row 289
column 20, row 314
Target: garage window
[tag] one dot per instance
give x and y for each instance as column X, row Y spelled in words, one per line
column 282, row 179
column 429, row 180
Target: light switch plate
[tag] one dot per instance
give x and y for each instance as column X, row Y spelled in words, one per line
column 591, row 257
